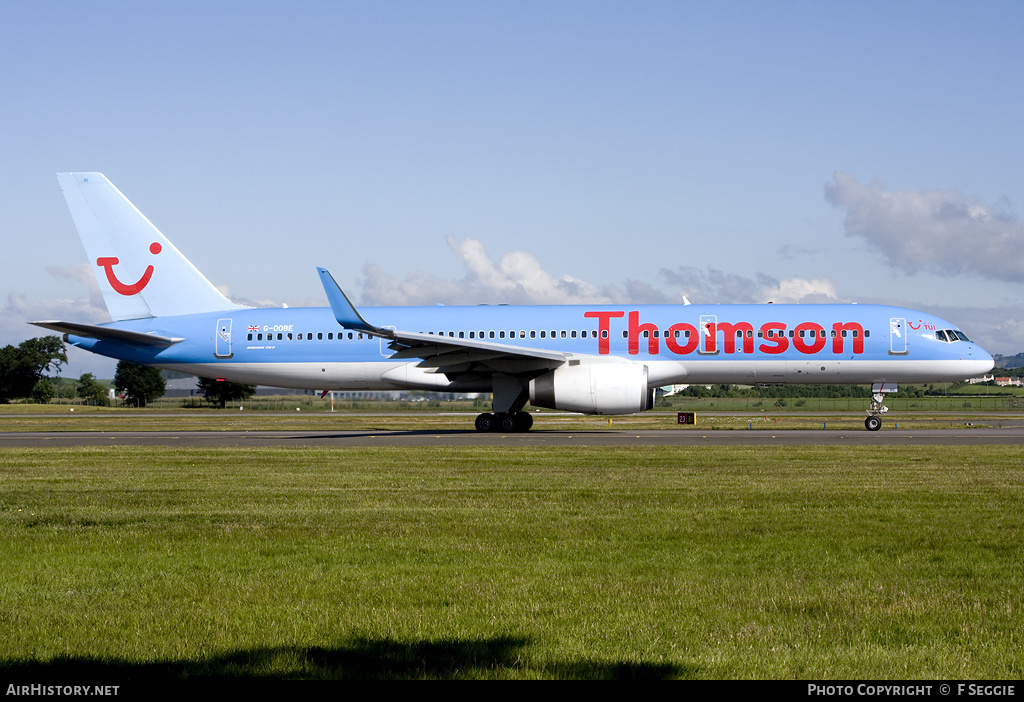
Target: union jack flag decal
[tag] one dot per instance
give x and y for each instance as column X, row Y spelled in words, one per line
column 254, row 328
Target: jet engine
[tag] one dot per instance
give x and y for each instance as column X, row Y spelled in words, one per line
column 594, row 388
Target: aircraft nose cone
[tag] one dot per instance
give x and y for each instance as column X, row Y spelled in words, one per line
column 979, row 361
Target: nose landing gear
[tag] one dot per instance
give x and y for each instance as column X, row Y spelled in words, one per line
column 878, row 390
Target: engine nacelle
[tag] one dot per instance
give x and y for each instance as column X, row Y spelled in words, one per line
column 594, row 388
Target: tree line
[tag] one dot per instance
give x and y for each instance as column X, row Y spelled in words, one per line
column 24, row 369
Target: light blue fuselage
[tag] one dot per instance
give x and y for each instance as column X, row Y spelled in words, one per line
column 307, row 348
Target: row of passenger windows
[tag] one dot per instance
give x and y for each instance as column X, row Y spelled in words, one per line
column 582, row 334
column 300, row 336
column 522, row 334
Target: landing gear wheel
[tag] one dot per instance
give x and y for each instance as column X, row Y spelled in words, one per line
column 508, row 422
column 872, row 423
column 486, row 422
column 504, row 421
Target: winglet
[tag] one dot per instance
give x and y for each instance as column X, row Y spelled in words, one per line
column 344, row 311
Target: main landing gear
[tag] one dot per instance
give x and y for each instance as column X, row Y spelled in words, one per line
column 878, row 390
column 504, row 421
column 510, row 396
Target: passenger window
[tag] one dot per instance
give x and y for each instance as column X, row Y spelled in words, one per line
column 319, row 336
column 249, row 338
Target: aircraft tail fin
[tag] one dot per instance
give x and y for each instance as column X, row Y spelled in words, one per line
column 140, row 272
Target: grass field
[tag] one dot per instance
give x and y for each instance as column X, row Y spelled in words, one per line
column 760, row 562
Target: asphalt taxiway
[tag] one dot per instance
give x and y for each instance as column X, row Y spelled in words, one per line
column 954, row 436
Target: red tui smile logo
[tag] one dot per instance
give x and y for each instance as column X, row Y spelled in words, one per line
column 108, row 263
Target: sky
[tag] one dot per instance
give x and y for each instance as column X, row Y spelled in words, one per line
column 527, row 152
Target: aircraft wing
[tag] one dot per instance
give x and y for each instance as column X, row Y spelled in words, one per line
column 93, row 331
column 455, row 357
column 444, row 354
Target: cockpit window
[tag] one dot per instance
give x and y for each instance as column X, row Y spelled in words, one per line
column 950, row 335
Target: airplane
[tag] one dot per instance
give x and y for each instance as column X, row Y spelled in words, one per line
column 591, row 359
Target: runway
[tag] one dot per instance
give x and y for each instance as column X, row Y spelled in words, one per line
column 959, row 436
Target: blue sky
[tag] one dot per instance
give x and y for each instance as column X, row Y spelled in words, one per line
column 465, row 152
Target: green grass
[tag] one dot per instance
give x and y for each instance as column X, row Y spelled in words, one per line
column 760, row 562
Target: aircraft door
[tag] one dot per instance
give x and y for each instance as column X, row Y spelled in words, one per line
column 384, row 350
column 708, row 334
column 898, row 336
column 222, row 339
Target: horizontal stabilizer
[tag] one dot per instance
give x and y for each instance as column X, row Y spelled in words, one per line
column 93, row 331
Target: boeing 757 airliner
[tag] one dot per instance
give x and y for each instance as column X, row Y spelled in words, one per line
column 594, row 359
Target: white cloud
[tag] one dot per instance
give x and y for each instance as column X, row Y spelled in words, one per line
column 801, row 290
column 20, row 310
column 519, row 278
column 937, row 230
column 997, row 329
